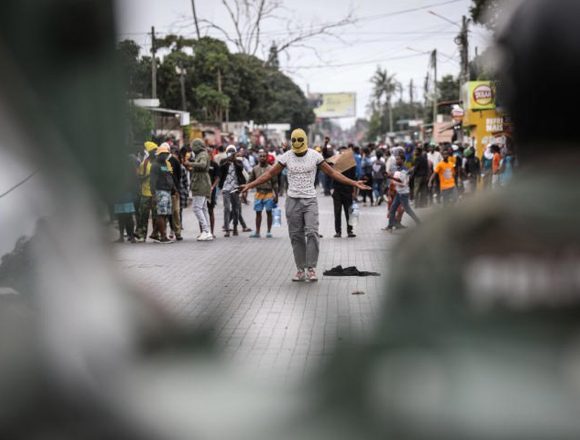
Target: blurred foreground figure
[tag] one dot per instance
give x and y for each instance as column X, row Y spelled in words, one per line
column 480, row 338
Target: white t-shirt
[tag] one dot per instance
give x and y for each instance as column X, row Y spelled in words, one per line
column 301, row 173
column 434, row 158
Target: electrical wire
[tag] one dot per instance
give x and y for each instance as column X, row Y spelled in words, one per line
column 22, row 182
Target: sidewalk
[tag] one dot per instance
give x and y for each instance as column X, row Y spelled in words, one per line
column 264, row 320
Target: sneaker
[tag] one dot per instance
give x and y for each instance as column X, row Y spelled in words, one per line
column 246, row 230
column 311, row 275
column 164, row 240
column 351, row 235
column 227, row 234
column 205, row 236
column 269, row 235
column 235, row 232
column 154, row 237
column 254, row 235
column 337, row 235
column 300, row 276
column 178, row 237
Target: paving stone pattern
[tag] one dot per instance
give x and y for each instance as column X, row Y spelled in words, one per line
column 263, row 320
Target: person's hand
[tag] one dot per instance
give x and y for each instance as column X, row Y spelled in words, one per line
column 244, row 189
column 361, row 185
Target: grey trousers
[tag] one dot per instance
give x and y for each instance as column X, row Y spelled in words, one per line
column 200, row 210
column 302, row 218
column 231, row 209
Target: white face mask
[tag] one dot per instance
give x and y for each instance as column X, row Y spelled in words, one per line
column 230, row 154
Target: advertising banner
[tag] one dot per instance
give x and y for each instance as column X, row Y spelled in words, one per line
column 335, row 105
column 479, row 95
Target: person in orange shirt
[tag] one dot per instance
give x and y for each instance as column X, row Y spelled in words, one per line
column 446, row 172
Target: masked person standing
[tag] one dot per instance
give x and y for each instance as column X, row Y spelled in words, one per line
column 302, row 164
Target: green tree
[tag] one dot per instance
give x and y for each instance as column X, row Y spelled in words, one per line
column 220, row 85
column 140, row 124
column 273, row 60
column 384, row 87
column 136, row 70
column 448, row 89
column 486, row 12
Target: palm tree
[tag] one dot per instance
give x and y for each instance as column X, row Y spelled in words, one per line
column 385, row 86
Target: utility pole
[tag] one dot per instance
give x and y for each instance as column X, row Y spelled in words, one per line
column 181, row 72
column 435, row 91
column 411, row 98
column 462, row 41
column 195, row 19
column 153, row 64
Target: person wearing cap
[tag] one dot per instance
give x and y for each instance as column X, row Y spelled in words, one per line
column 201, row 188
column 301, row 202
column 146, row 203
column 162, row 186
column 231, row 177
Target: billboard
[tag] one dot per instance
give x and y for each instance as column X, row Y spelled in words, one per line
column 335, row 105
column 479, row 95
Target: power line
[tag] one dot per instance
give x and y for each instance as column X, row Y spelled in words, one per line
column 22, row 182
column 323, row 66
column 406, row 11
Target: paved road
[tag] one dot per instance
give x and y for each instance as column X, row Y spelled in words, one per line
column 266, row 322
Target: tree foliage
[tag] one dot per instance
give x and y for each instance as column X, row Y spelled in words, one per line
column 486, row 12
column 448, row 88
column 219, row 83
column 384, row 88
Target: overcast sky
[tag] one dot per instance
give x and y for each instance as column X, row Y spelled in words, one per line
column 382, row 36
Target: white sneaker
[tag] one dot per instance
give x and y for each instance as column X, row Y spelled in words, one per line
column 205, row 236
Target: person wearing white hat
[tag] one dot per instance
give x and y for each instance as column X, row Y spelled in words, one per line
column 231, row 177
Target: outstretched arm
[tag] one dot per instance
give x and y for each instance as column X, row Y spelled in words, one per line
column 274, row 171
column 335, row 175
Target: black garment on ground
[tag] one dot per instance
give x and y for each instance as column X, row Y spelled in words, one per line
column 351, row 271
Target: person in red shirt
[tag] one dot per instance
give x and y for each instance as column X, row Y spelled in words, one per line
column 495, row 165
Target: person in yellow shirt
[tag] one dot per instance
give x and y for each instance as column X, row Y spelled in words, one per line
column 446, row 172
column 146, row 207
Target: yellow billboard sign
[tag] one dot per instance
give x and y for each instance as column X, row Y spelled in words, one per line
column 335, row 105
column 479, row 95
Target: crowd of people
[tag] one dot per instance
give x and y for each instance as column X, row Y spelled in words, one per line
column 165, row 179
